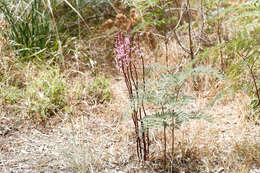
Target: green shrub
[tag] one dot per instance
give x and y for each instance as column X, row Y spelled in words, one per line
column 243, row 62
column 10, row 90
column 46, row 94
column 10, row 94
column 238, row 49
column 98, row 90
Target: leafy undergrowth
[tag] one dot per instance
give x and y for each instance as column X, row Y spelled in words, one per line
column 64, row 103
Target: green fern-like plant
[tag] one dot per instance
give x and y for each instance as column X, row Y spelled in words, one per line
column 238, row 49
column 164, row 92
column 244, row 48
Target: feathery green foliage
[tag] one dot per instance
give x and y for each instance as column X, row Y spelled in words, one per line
column 156, row 13
column 167, row 96
column 244, row 53
column 238, row 50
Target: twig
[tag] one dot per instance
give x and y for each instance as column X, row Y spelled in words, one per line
column 114, row 8
column 180, row 44
column 253, row 76
column 190, row 38
column 176, row 36
column 219, row 39
column 69, row 4
column 180, row 9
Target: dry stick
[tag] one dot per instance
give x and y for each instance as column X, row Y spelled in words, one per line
column 69, row 4
column 166, row 50
column 178, row 8
column 254, row 80
column 179, row 42
column 114, row 8
column 202, row 15
column 166, row 38
column 191, row 43
column 173, row 135
column 253, row 76
column 220, row 40
column 173, row 126
column 202, row 26
column 164, row 136
column 176, row 36
column 190, row 38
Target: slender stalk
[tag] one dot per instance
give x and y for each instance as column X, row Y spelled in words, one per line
column 189, row 29
column 173, row 136
column 124, row 48
column 254, row 80
column 60, row 50
column 220, row 39
column 166, row 50
column 164, row 135
column 147, row 134
column 253, row 77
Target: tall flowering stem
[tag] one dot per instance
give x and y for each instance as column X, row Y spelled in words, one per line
column 126, row 52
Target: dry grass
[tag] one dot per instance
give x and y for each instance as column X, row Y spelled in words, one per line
column 104, row 141
column 101, row 138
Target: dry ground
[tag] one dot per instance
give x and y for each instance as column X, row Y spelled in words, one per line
column 104, row 142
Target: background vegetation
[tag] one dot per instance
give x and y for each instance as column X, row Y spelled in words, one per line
column 165, row 62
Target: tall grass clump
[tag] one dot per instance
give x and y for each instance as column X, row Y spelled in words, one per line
column 30, row 30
